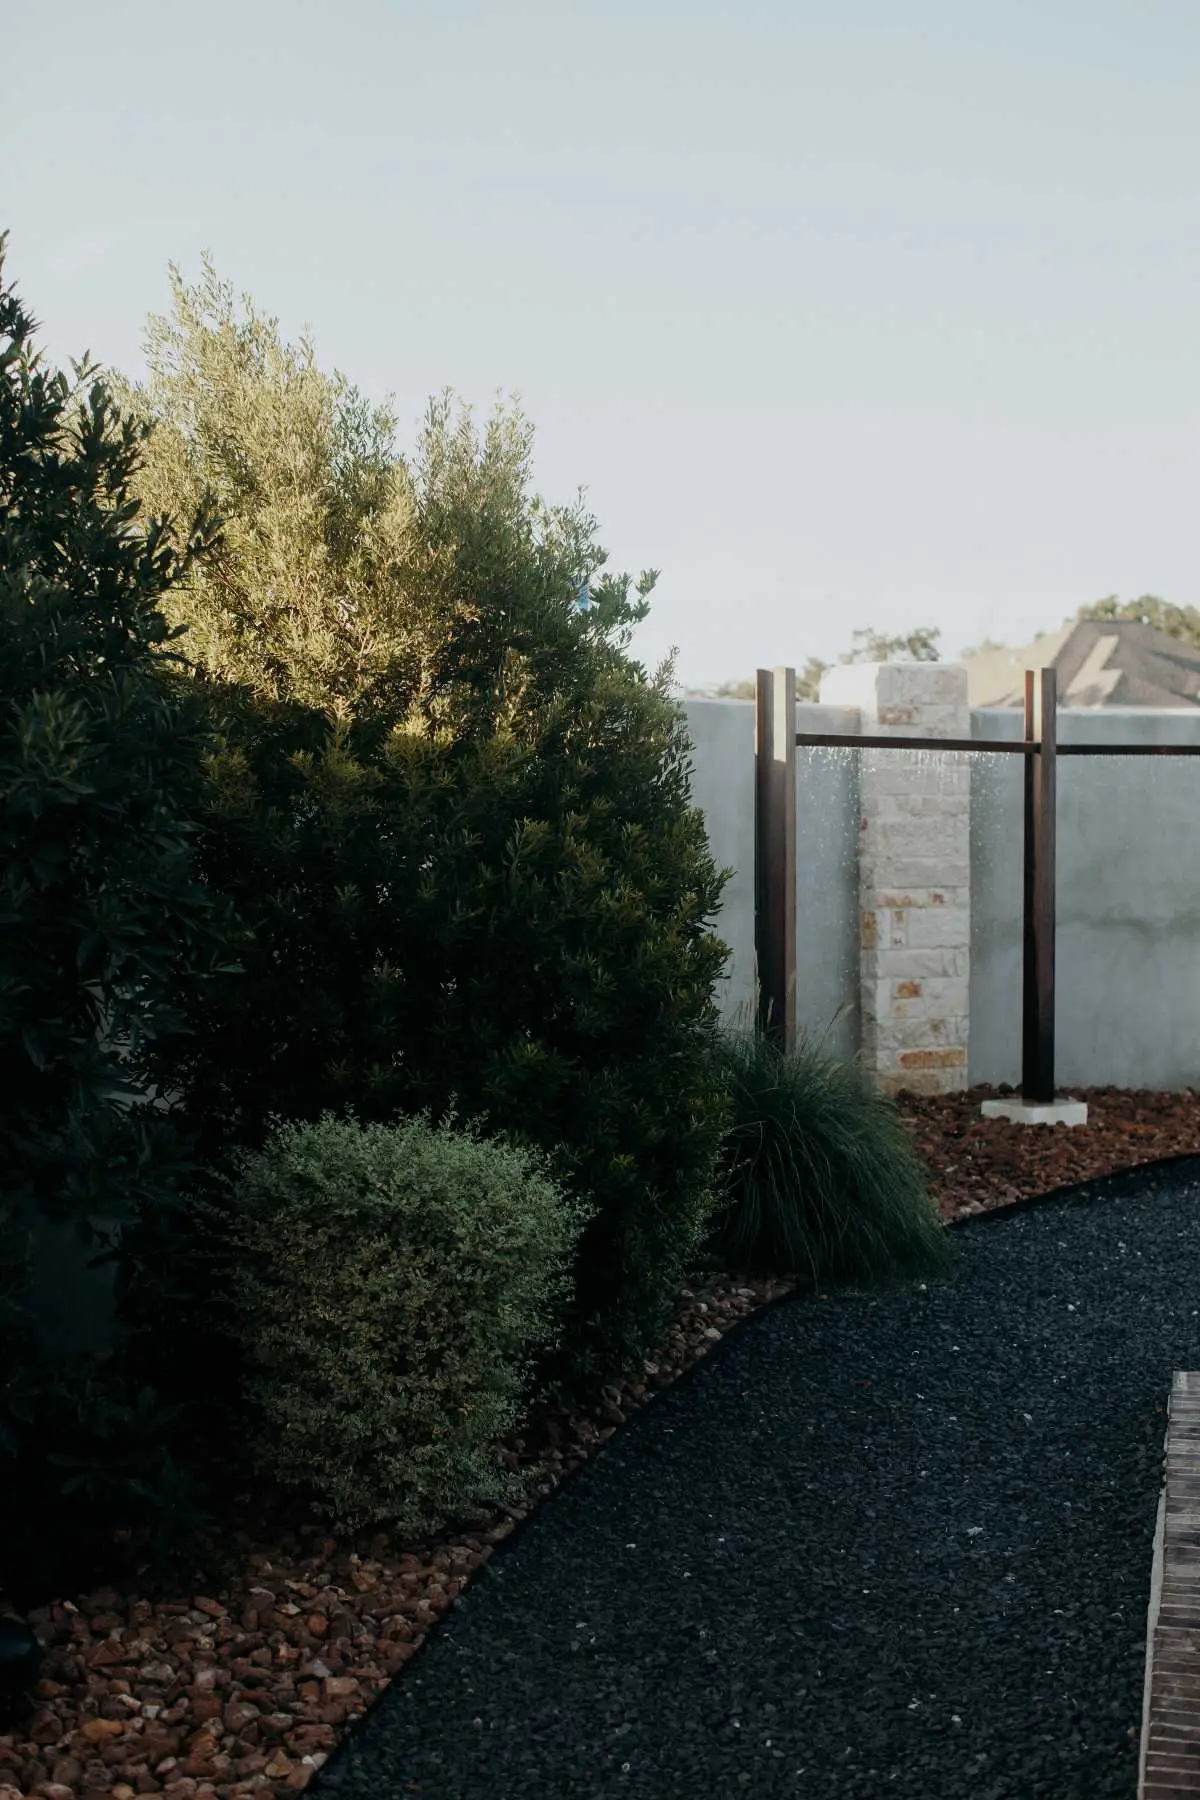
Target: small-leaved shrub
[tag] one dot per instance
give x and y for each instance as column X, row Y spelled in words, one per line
column 821, row 1180
column 392, row 1286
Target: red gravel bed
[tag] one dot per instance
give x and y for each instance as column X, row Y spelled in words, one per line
column 976, row 1164
column 219, row 1696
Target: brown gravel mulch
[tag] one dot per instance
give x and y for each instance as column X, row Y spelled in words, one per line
column 976, row 1165
column 220, row 1696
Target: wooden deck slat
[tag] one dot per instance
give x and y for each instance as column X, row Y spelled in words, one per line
column 1170, row 1747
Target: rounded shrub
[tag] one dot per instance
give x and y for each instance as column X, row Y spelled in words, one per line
column 821, row 1181
column 391, row 1286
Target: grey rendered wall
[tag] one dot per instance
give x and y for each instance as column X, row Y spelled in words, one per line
column 722, row 780
column 1128, row 912
column 722, row 734
column 827, row 924
column 1127, row 945
column 70, row 1305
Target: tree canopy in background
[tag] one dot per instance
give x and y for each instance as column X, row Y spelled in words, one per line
column 345, row 565
column 918, row 646
column 1179, row 622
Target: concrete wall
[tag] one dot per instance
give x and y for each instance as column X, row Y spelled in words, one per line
column 70, row 1304
column 1128, row 895
column 828, row 786
column 722, row 778
column 1127, row 945
column 827, row 781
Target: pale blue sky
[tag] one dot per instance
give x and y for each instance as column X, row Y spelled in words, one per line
column 860, row 314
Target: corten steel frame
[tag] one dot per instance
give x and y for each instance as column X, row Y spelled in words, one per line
column 775, row 853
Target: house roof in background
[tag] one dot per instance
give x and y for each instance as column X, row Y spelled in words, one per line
column 997, row 677
column 1099, row 662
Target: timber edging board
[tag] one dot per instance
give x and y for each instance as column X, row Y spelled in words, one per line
column 1169, row 1767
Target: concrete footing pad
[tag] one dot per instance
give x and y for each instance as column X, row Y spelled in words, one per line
column 1032, row 1112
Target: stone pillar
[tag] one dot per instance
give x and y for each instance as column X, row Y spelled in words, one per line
column 914, row 874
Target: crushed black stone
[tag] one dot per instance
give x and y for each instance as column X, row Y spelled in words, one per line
column 879, row 1544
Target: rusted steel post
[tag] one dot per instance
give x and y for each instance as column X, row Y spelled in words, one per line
column 1037, row 1004
column 775, row 854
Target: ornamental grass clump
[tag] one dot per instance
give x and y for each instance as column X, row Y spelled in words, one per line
column 391, row 1287
column 821, row 1182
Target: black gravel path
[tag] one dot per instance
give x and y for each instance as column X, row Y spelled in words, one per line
column 874, row 1545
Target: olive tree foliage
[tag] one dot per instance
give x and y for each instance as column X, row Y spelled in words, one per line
column 344, row 565
column 301, row 601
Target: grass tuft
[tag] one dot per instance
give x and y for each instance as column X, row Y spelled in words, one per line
column 821, row 1180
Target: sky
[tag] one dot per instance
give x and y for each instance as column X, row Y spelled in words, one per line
column 845, row 316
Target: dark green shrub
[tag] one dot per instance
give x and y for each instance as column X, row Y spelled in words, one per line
column 453, row 812
column 391, row 1286
column 474, row 920
column 104, row 927
column 175, row 1316
column 821, row 1179
column 104, row 920
column 96, row 1483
